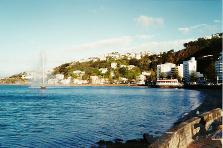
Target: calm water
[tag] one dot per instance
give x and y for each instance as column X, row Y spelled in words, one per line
column 81, row 116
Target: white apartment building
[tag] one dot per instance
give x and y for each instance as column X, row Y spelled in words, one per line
column 164, row 68
column 178, row 69
column 218, row 69
column 188, row 68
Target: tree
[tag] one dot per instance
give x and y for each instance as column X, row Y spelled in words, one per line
column 122, row 71
column 193, row 77
column 163, row 75
column 151, row 77
column 73, row 75
column 134, row 61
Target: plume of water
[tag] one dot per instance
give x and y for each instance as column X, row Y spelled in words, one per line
column 39, row 74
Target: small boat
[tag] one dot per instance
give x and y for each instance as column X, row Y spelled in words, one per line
column 42, row 87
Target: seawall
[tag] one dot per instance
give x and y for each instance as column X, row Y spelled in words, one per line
column 184, row 133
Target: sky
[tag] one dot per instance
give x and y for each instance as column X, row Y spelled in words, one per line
column 68, row 30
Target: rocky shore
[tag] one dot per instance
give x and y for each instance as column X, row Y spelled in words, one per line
column 211, row 101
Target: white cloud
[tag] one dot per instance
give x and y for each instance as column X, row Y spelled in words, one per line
column 130, row 43
column 201, row 28
column 146, row 21
column 184, row 29
column 160, row 46
column 217, row 21
column 106, row 43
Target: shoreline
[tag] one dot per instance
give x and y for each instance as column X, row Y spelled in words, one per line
column 193, row 87
column 146, row 140
column 76, row 85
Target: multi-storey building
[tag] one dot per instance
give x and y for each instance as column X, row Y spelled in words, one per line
column 218, row 69
column 164, row 68
column 189, row 67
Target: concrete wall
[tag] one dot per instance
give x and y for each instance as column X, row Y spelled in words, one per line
column 182, row 135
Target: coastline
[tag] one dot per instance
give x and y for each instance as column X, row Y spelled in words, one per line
column 74, row 85
column 208, row 104
column 194, row 87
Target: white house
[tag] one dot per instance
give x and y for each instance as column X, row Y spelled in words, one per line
column 78, row 72
column 66, row 81
column 145, row 73
column 130, row 67
column 52, row 82
column 188, row 68
column 79, row 81
column 164, row 68
column 28, row 75
column 59, row 76
column 141, row 79
column 123, row 66
column 94, row 79
column 114, row 65
column 103, row 70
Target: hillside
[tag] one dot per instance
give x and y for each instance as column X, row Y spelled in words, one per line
column 130, row 66
column 205, row 50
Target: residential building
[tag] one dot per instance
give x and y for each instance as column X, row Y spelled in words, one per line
column 28, row 75
column 98, row 80
column 138, row 56
column 52, row 82
column 59, row 76
column 123, row 80
column 164, row 68
column 121, row 66
column 103, row 70
column 189, row 67
column 114, row 65
column 80, row 81
column 200, row 78
column 130, row 67
column 78, row 72
column 178, row 69
column 141, row 79
column 94, row 80
column 66, row 81
column 145, row 73
column 114, row 55
column 218, row 69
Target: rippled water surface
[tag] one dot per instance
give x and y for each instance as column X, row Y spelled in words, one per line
column 81, row 116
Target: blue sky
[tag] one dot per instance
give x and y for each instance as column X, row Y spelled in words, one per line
column 67, row 30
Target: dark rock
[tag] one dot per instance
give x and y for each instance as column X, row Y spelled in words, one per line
column 148, row 138
column 134, row 141
column 118, row 140
column 103, row 142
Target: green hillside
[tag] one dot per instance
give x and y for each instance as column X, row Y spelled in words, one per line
column 206, row 52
